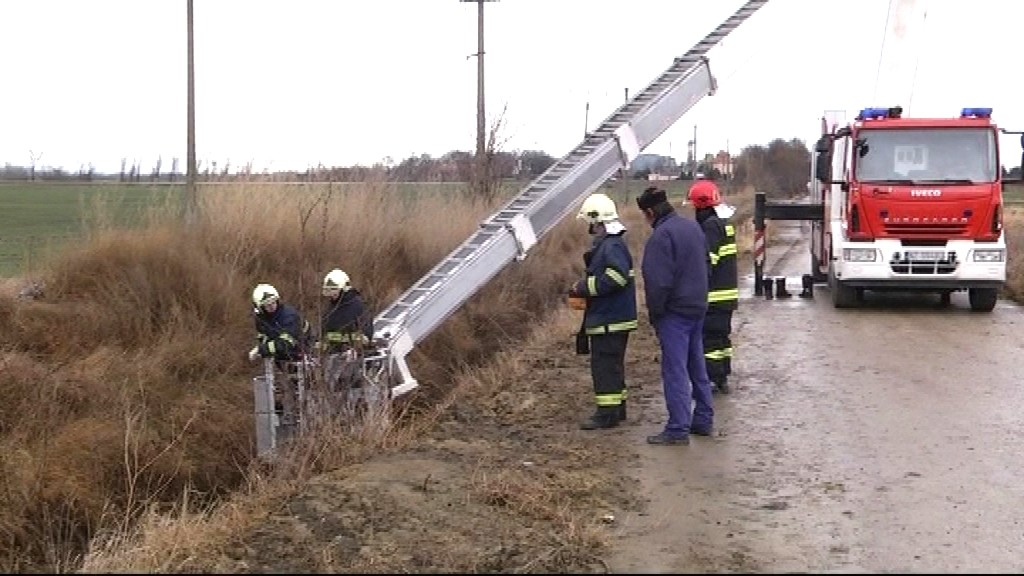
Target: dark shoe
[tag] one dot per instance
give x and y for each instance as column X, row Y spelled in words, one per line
column 705, row 431
column 722, row 387
column 622, row 412
column 667, row 440
column 600, row 422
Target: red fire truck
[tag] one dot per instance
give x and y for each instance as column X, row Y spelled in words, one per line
column 909, row 204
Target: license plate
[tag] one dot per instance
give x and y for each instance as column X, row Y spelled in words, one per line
column 925, row 255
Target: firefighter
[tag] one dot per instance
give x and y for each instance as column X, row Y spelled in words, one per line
column 346, row 329
column 284, row 336
column 609, row 288
column 723, row 286
column 280, row 329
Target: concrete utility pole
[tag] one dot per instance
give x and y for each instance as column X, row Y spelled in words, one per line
column 481, row 118
column 191, row 203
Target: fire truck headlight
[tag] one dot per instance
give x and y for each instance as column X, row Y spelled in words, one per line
column 860, row 254
column 989, row 255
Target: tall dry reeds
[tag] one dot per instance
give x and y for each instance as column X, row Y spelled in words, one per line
column 127, row 386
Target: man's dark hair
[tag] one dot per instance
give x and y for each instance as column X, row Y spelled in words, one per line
column 655, row 199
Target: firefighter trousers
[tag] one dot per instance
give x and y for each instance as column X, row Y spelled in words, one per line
column 718, row 343
column 608, row 369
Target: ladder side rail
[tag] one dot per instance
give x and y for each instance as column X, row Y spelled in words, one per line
column 656, row 119
column 647, row 125
column 491, row 257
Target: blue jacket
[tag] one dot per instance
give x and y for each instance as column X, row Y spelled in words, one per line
column 675, row 268
column 609, row 286
column 282, row 335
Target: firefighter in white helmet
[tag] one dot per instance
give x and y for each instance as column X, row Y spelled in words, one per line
column 283, row 335
column 610, row 292
column 346, row 331
column 280, row 329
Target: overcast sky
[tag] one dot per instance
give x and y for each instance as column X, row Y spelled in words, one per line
column 292, row 84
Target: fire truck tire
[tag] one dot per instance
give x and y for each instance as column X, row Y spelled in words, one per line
column 843, row 296
column 982, row 299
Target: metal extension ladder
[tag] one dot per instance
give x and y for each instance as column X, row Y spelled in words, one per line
column 510, row 232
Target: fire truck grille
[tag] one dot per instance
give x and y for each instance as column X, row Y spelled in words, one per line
column 909, row 263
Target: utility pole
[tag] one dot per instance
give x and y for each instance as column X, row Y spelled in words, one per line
column 191, row 202
column 696, row 160
column 481, row 118
column 586, row 121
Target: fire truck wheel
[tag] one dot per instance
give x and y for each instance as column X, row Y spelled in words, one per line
column 983, row 299
column 843, row 296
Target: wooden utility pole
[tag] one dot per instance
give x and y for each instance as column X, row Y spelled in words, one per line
column 481, row 118
column 191, row 202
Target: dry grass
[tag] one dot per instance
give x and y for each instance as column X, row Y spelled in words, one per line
column 127, row 386
column 1014, row 225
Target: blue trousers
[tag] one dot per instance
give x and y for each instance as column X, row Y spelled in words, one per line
column 682, row 365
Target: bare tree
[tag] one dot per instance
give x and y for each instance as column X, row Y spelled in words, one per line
column 156, row 169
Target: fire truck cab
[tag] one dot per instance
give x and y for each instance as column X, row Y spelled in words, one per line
column 909, row 204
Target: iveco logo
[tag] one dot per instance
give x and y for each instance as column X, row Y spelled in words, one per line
column 929, row 193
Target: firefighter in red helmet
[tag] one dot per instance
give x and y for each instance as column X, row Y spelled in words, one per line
column 723, row 282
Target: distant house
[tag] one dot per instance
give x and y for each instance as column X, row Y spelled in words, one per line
column 724, row 163
column 654, row 164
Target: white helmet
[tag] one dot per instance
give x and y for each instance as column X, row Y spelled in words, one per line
column 336, row 279
column 598, row 208
column 263, row 294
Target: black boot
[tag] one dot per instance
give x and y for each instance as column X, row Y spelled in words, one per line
column 808, row 286
column 622, row 411
column 780, row 288
column 722, row 386
column 767, row 283
column 604, row 417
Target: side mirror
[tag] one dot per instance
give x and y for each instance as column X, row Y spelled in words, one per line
column 824, row 144
column 823, row 167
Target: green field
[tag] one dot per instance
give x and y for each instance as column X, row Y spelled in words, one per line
column 40, row 217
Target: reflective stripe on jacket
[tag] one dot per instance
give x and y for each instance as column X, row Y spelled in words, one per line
column 610, row 287
column 723, row 282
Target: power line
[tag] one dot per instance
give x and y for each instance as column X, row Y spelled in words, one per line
column 882, row 50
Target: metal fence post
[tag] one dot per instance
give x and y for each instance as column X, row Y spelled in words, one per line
column 759, row 242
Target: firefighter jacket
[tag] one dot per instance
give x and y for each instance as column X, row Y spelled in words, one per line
column 723, row 282
column 609, row 287
column 675, row 268
column 346, row 322
column 282, row 335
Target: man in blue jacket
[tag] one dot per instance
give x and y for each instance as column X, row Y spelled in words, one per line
column 609, row 288
column 675, row 271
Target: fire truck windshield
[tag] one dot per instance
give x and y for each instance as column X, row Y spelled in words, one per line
column 926, row 155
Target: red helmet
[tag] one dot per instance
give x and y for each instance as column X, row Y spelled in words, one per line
column 704, row 194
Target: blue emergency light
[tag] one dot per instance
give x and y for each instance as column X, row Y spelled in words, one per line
column 876, row 113
column 976, row 113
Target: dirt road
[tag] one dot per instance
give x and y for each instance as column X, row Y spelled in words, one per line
column 886, row 438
